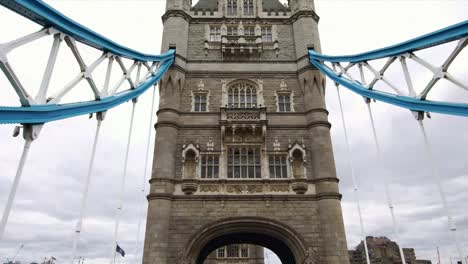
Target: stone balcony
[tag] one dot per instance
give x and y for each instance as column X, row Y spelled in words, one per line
column 243, row 120
column 241, row 45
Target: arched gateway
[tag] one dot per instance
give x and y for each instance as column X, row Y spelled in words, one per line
column 247, row 230
column 243, row 153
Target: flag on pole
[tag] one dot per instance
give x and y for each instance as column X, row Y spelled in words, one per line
column 120, row 250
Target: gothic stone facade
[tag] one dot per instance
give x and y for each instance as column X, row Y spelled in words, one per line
column 243, row 153
column 383, row 251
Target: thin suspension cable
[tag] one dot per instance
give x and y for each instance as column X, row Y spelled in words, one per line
column 122, row 185
column 143, row 184
column 435, row 174
column 14, row 187
column 355, row 186
column 387, row 189
column 84, row 198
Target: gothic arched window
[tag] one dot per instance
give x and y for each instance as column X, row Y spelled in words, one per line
column 248, row 7
column 242, row 95
column 231, row 7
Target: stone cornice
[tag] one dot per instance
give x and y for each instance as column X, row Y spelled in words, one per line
column 263, row 181
column 252, row 197
column 216, row 127
column 167, row 109
column 176, row 13
column 217, row 113
column 319, row 123
column 316, row 110
column 327, row 179
column 304, row 13
column 166, row 124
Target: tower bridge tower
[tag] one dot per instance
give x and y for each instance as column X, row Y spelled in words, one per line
column 243, row 153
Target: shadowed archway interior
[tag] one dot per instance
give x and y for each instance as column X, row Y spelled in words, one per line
column 277, row 246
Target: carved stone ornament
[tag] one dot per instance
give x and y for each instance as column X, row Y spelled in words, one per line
column 300, row 186
column 283, row 86
column 280, row 188
column 210, row 144
column 181, row 258
column 201, row 86
column 189, row 187
column 310, row 257
column 244, row 189
column 209, row 188
column 276, row 144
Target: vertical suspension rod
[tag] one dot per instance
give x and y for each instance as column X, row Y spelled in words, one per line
column 355, row 186
column 14, row 188
column 387, row 190
column 84, row 198
column 122, row 185
column 143, row 183
column 452, row 229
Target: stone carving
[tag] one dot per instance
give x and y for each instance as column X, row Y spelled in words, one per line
column 280, row 188
column 243, row 115
column 300, row 186
column 210, row 144
column 310, row 256
column 201, row 86
column 242, row 189
column 181, row 258
column 283, row 86
column 209, row 188
column 276, row 145
column 189, row 187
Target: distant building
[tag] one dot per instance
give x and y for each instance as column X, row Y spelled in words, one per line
column 383, row 251
column 237, row 254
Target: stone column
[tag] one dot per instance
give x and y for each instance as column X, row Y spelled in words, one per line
column 163, row 173
column 333, row 249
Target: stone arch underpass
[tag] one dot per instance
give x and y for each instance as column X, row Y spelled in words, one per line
column 280, row 239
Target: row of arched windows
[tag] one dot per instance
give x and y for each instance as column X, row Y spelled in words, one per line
column 248, row 7
column 244, row 162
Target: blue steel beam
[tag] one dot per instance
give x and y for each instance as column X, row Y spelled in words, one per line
column 451, row 33
column 407, row 102
column 38, row 114
column 458, row 31
column 45, row 15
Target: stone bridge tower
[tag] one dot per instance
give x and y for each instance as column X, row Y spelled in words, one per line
column 243, row 153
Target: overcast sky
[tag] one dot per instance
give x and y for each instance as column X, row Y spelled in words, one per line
column 47, row 202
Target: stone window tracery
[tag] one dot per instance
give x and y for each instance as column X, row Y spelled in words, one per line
column 232, row 31
column 215, row 33
column 249, row 31
column 278, row 166
column 232, row 7
column 284, row 102
column 266, row 34
column 248, row 7
column 242, row 95
column 209, row 167
column 200, row 102
column 243, row 162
